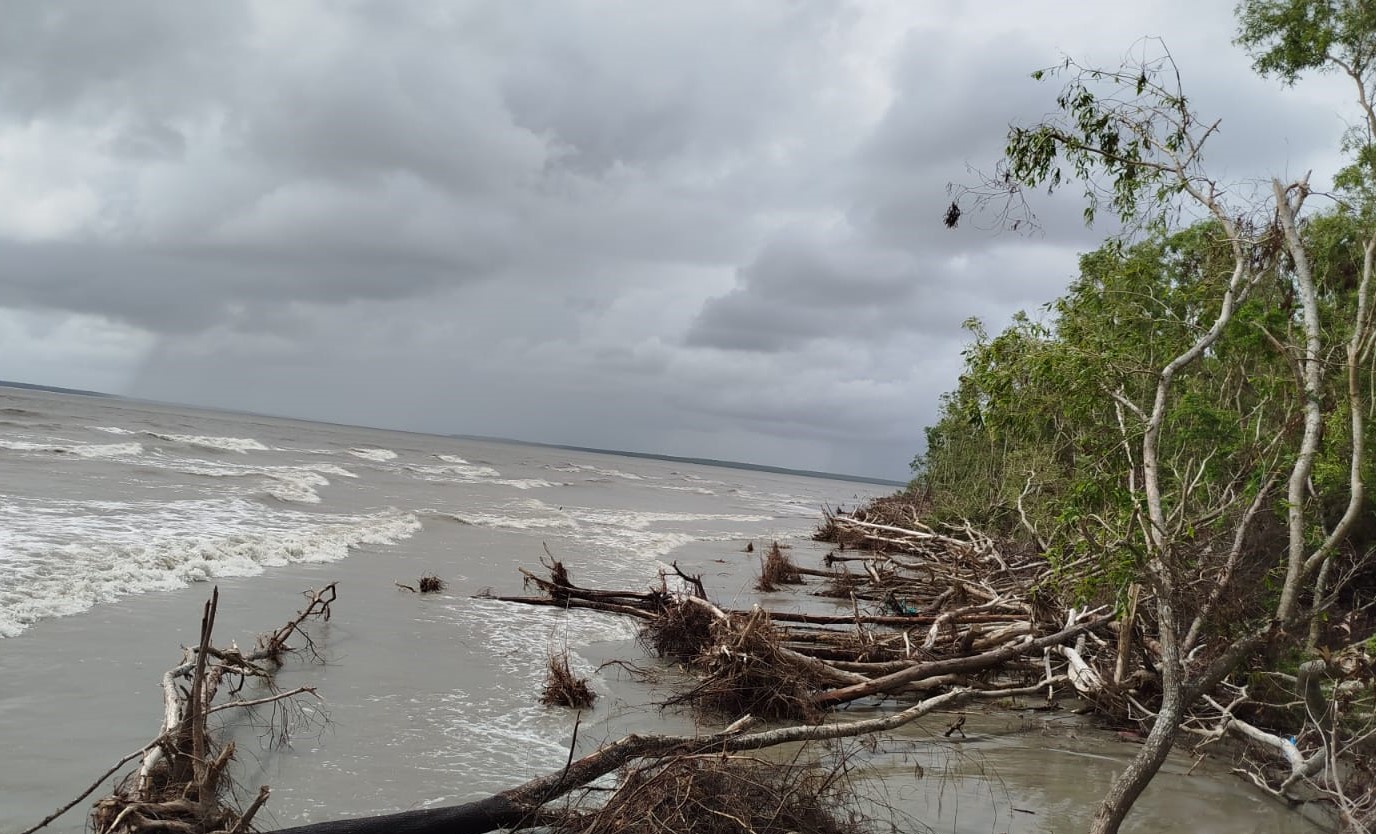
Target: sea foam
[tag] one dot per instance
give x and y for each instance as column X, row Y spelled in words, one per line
column 65, row 557
column 84, row 450
column 454, row 470
column 375, row 455
column 214, row 444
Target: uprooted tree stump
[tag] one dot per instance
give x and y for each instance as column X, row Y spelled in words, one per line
column 563, row 688
column 182, row 784
column 426, row 585
column 721, row 794
column 777, row 569
column 746, row 672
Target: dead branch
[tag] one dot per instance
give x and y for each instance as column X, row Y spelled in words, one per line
column 181, row 781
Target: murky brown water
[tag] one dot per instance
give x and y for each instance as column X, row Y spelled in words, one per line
column 411, row 707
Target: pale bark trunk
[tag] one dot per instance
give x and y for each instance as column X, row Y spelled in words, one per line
column 1160, row 564
column 1125, row 627
column 918, row 671
column 1142, row 769
column 1312, row 379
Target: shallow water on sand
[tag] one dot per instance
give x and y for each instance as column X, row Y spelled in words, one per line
column 106, row 555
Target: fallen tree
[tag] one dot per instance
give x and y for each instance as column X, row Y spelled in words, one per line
column 1304, row 736
column 181, row 784
column 183, row 779
column 525, row 806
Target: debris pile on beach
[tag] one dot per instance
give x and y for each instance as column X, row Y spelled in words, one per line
column 943, row 613
column 910, row 614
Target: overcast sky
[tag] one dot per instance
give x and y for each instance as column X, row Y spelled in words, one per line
column 697, row 228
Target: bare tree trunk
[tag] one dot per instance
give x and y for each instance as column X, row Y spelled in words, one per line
column 489, row 814
column 1312, row 379
column 1143, row 767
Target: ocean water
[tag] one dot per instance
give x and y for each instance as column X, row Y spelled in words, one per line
column 117, row 516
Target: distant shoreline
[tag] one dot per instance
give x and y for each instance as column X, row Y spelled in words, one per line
column 53, row 389
column 726, row 464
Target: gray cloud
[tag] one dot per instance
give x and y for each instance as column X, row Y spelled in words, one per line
column 685, row 227
column 809, row 285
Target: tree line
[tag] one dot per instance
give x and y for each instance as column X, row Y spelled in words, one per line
column 1193, row 417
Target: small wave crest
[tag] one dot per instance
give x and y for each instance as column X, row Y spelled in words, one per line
column 82, row 450
column 506, row 522
column 295, row 484
column 298, row 487
column 214, row 444
column 375, row 455
column 606, row 473
column 526, row 483
column 693, row 489
column 454, row 470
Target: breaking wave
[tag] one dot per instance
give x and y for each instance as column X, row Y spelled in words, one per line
column 454, row 470
column 375, row 455
column 133, row 547
column 606, row 473
column 214, row 444
column 84, row 450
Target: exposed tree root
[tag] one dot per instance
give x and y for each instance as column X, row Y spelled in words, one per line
column 426, row 585
column 181, row 784
column 777, row 569
column 747, row 673
column 563, row 688
column 678, row 630
column 720, row 794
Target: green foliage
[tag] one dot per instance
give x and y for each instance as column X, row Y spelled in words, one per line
column 1045, row 432
column 1288, row 38
column 1124, row 135
column 1034, row 416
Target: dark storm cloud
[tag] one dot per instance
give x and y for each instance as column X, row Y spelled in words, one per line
column 826, row 284
column 946, row 125
column 701, row 229
column 369, row 154
column 188, row 290
column 890, row 266
column 701, row 87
